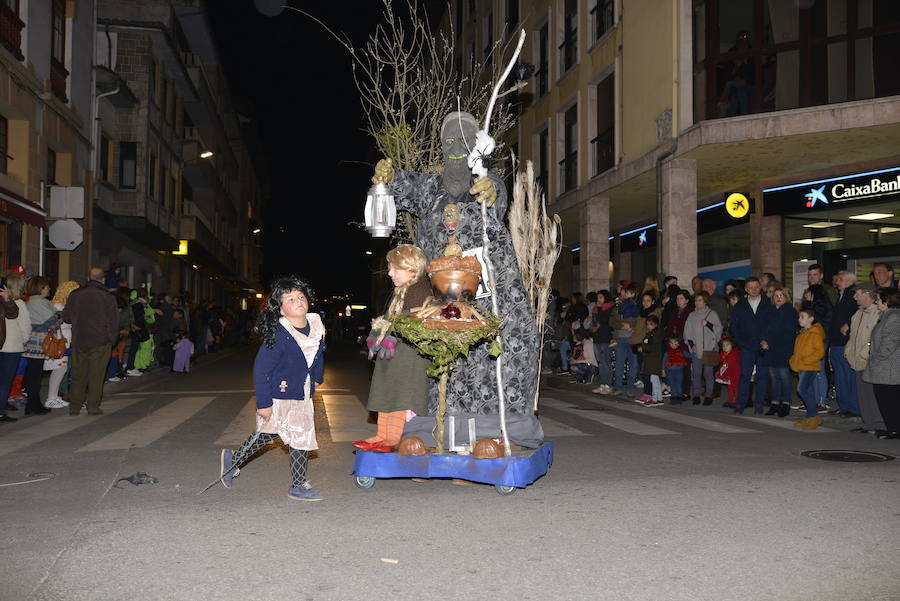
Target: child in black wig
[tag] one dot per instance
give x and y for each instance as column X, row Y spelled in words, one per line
column 284, row 381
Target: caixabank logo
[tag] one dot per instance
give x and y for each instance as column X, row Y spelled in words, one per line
column 816, row 195
column 859, row 188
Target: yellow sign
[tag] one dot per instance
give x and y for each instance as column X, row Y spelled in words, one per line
column 737, row 205
column 182, row 248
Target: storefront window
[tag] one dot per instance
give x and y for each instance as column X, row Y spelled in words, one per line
column 724, row 246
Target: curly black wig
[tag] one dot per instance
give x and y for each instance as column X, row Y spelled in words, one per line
column 267, row 322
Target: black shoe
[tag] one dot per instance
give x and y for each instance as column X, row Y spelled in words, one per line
column 784, row 409
column 773, row 409
column 707, row 402
column 41, row 411
column 11, row 407
column 696, row 400
column 7, row 419
column 739, row 411
column 885, row 435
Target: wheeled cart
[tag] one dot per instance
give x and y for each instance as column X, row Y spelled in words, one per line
column 506, row 473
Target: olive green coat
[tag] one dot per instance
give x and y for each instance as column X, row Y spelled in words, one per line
column 401, row 383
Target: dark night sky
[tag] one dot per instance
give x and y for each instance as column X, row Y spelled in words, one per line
column 293, row 81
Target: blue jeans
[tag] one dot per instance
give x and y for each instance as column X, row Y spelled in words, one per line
column 749, row 359
column 844, row 381
column 112, row 369
column 807, row 389
column 9, row 363
column 624, row 354
column 604, row 362
column 821, row 384
column 564, row 347
column 675, row 376
column 781, row 384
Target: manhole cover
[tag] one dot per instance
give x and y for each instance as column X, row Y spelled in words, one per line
column 850, row 456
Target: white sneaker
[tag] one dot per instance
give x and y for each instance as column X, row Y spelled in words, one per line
column 114, row 379
column 134, row 372
column 56, row 404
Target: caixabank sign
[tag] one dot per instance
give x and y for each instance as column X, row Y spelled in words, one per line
column 881, row 186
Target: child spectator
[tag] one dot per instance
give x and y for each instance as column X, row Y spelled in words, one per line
column 183, row 348
column 729, row 372
column 674, row 363
column 651, row 364
column 622, row 320
column 583, row 362
column 809, row 350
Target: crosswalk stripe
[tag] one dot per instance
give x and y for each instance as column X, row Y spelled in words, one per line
column 555, row 429
column 347, row 417
column 43, row 428
column 780, row 423
column 242, row 426
column 151, row 428
column 608, row 419
column 679, row 418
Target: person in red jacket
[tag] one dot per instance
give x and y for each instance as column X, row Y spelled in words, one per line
column 729, row 371
column 674, row 365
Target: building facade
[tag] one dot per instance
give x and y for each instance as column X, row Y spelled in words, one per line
column 178, row 197
column 644, row 116
column 46, row 60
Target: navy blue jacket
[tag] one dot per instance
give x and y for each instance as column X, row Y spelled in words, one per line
column 843, row 311
column 747, row 327
column 280, row 372
column 781, row 332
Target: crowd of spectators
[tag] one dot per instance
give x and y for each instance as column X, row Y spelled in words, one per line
column 98, row 331
column 841, row 339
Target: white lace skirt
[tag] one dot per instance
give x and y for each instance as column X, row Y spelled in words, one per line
column 293, row 420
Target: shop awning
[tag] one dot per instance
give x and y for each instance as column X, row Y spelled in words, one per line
column 15, row 207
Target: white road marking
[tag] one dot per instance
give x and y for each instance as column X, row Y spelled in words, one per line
column 679, row 418
column 147, row 430
column 608, row 419
column 347, row 417
column 43, row 428
column 555, row 429
column 242, row 426
column 780, row 423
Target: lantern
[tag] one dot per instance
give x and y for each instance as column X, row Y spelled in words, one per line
column 381, row 213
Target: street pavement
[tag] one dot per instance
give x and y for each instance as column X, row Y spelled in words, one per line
column 665, row 503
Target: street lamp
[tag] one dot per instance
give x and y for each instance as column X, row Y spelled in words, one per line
column 256, row 231
column 206, row 154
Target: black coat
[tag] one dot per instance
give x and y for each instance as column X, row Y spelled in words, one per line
column 843, row 311
column 651, row 353
column 780, row 334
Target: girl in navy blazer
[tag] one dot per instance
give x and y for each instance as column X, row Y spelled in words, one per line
column 287, row 368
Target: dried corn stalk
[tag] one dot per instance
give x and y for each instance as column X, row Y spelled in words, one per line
column 536, row 238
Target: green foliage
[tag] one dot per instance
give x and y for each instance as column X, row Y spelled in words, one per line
column 444, row 347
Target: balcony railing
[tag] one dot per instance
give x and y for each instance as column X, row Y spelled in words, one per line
column 58, row 77
column 11, row 31
column 603, row 147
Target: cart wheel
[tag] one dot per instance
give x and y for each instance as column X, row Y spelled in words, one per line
column 365, row 481
column 505, row 490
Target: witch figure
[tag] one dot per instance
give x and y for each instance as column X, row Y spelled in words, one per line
column 450, row 223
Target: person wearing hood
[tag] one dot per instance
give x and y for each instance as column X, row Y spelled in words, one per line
column 809, row 349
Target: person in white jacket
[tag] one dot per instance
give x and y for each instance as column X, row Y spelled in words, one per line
column 18, row 331
column 702, row 332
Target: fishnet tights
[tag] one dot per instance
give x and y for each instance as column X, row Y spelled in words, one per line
column 298, row 458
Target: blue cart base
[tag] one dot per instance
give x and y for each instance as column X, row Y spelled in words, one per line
column 506, row 473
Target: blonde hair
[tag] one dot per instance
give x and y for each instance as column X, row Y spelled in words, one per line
column 63, row 291
column 651, row 284
column 785, row 292
column 412, row 259
column 15, row 283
